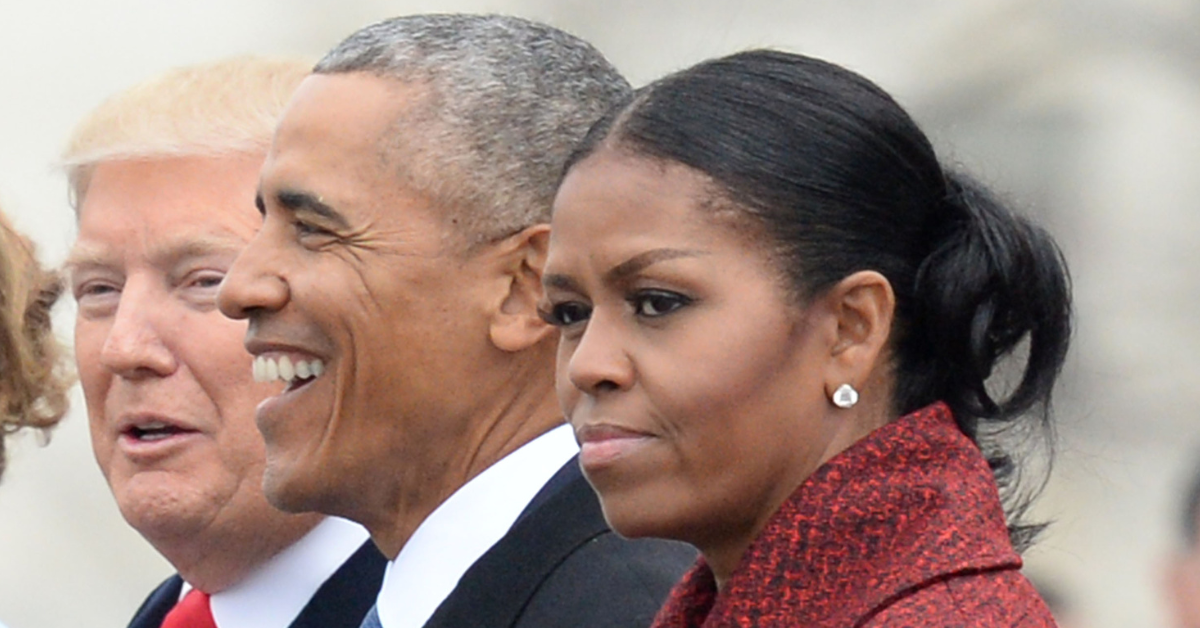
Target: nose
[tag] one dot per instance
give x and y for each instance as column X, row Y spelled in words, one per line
column 253, row 284
column 134, row 347
column 598, row 362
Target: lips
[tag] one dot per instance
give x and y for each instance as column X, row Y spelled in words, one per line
column 153, row 435
column 152, row 431
column 602, row 445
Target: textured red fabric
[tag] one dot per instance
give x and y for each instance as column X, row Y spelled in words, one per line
column 904, row 528
column 191, row 612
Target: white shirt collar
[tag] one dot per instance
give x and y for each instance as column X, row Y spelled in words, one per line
column 465, row 526
column 274, row 594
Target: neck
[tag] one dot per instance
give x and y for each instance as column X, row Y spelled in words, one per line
column 423, row 487
column 214, row 563
column 724, row 551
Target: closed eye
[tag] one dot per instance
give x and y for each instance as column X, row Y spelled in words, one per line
column 308, row 229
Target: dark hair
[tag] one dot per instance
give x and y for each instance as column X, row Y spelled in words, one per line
column 841, row 179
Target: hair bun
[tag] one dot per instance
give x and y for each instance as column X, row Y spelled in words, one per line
column 992, row 280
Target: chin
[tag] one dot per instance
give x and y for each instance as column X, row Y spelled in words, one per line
column 632, row 520
column 302, row 488
column 284, row 490
column 161, row 513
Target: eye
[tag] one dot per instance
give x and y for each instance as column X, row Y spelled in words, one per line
column 96, row 298
column 207, row 280
column 94, row 289
column 655, row 303
column 308, row 229
column 566, row 313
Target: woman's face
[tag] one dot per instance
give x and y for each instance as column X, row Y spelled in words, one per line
column 694, row 382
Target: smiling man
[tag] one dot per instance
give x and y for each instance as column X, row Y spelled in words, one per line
column 163, row 177
column 394, row 287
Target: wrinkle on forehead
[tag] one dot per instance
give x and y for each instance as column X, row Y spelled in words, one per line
column 164, row 252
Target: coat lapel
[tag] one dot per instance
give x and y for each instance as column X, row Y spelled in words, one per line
column 562, row 517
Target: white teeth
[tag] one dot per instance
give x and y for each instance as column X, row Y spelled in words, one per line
column 266, row 369
column 152, row 425
column 286, row 371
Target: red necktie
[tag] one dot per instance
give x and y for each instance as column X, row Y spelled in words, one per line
column 191, row 612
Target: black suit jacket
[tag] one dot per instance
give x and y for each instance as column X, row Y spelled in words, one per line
column 560, row 566
column 341, row 602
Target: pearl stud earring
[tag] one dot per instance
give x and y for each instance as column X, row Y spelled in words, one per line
column 845, row 396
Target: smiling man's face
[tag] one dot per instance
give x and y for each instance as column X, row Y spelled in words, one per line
column 166, row 379
column 352, row 271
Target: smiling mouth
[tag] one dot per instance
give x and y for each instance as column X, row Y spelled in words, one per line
column 296, row 374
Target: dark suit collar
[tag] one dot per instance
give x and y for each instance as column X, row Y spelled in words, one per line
column 344, row 599
column 341, row 602
column 562, row 516
column 158, row 604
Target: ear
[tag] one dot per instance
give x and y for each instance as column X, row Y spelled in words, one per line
column 863, row 305
column 515, row 324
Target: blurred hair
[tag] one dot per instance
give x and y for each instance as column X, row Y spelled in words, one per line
column 841, row 179
column 504, row 100
column 33, row 379
column 1190, row 513
column 211, row 109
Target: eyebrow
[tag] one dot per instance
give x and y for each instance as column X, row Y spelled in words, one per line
column 296, row 201
column 622, row 271
column 170, row 251
column 641, row 261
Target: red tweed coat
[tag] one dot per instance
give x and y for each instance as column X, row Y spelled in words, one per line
column 902, row 529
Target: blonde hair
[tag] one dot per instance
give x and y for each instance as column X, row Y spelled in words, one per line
column 33, row 378
column 211, row 109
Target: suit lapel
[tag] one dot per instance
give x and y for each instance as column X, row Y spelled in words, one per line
column 564, row 515
column 158, row 604
column 344, row 599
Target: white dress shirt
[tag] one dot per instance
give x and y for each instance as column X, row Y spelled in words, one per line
column 465, row 527
column 275, row 593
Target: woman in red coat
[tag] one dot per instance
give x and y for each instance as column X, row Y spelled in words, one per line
column 779, row 314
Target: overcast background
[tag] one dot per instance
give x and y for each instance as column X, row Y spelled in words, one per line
column 1086, row 112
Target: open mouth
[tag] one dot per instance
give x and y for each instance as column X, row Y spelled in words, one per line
column 153, row 431
column 295, row 373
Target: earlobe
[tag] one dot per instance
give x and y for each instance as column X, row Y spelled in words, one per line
column 515, row 324
column 864, row 305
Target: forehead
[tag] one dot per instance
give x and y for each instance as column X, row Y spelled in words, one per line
column 337, row 126
column 613, row 192
column 155, row 203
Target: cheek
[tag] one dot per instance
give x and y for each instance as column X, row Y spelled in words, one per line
column 568, row 394
column 89, row 342
column 216, row 351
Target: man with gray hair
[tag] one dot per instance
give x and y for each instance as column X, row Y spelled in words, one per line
column 163, row 176
column 394, row 286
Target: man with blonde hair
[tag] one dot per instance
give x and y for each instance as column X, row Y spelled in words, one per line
column 163, row 178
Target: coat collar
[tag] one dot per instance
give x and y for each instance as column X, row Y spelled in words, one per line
column 912, row 502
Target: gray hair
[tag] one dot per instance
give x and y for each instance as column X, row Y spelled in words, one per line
column 504, row 102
